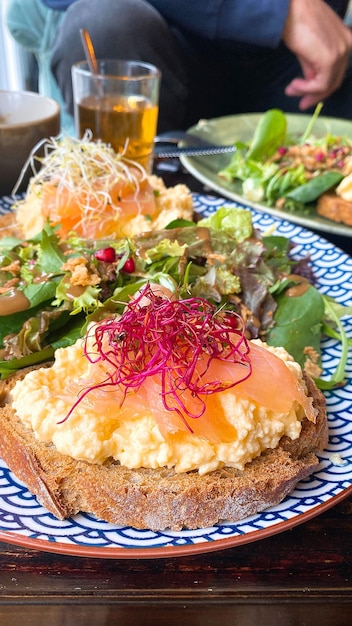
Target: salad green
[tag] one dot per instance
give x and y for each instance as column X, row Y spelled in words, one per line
column 222, row 258
column 288, row 172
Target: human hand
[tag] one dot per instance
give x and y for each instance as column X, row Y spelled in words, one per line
column 322, row 44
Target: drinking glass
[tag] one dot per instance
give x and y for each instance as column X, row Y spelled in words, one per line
column 119, row 104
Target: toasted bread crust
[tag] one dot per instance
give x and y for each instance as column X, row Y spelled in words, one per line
column 157, row 498
column 334, row 208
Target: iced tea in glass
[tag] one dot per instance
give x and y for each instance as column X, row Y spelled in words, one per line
column 119, row 105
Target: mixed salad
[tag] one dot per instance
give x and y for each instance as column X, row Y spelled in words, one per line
column 51, row 290
column 285, row 171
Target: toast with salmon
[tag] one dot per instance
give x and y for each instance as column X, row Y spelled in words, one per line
column 157, row 499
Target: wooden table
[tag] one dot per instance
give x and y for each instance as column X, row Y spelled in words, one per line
column 299, row 577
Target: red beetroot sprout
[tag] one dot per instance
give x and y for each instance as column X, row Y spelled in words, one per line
column 173, row 340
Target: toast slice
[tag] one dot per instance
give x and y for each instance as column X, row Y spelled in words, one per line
column 335, row 208
column 157, row 499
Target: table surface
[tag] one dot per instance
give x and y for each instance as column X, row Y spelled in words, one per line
column 300, row 576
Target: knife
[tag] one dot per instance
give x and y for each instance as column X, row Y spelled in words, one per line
column 167, row 145
column 164, row 153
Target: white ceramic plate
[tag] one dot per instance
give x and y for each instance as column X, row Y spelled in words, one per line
column 24, row 522
column 228, row 130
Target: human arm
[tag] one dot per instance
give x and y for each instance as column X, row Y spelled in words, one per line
column 311, row 29
column 322, row 44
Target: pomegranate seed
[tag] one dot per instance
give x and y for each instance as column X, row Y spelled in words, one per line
column 320, row 156
column 129, row 266
column 107, row 255
column 231, row 320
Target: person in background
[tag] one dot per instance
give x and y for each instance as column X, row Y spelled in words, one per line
column 216, row 57
column 34, row 26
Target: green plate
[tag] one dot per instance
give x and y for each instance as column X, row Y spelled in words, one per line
column 228, row 130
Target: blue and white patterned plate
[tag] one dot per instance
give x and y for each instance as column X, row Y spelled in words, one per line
column 6, row 203
column 24, row 522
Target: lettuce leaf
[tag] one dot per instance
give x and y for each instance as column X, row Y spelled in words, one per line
column 234, row 221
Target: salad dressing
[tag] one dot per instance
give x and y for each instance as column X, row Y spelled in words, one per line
column 302, row 285
column 73, row 291
column 13, row 302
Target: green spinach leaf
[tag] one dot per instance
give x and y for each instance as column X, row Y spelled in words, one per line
column 269, row 134
column 298, row 323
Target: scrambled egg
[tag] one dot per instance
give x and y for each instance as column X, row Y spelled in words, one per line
column 131, row 434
